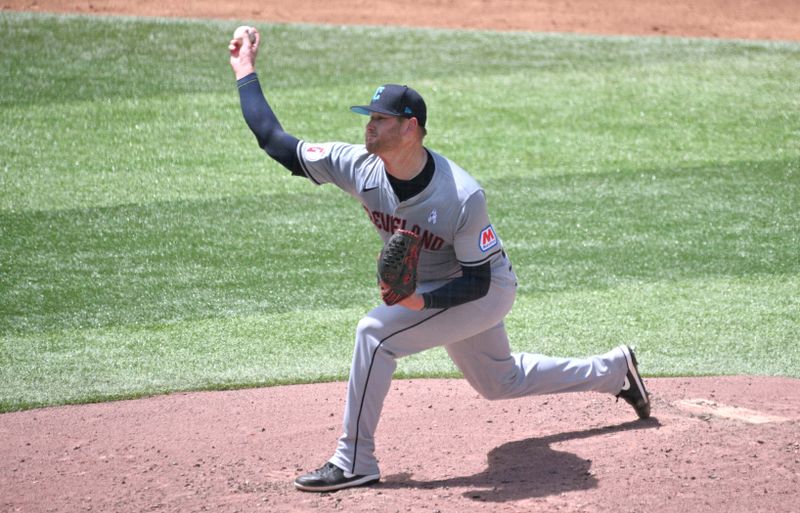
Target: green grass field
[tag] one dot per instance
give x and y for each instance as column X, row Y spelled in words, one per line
column 647, row 190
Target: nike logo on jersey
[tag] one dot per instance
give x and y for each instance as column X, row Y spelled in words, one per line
column 367, row 189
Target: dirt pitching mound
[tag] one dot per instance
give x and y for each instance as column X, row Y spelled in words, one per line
column 713, row 444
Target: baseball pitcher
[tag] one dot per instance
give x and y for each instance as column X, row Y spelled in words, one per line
column 444, row 275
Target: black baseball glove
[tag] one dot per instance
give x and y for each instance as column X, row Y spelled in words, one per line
column 397, row 266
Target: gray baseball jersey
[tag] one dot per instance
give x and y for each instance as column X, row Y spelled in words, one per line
column 450, row 215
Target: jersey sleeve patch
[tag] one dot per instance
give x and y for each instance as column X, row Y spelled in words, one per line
column 488, row 239
column 315, row 152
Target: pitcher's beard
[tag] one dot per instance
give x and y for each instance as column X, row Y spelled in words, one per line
column 371, row 143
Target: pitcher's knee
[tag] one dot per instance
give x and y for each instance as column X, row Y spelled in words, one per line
column 491, row 391
column 490, row 395
column 369, row 328
column 368, row 334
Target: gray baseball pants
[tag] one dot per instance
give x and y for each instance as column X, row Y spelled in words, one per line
column 475, row 339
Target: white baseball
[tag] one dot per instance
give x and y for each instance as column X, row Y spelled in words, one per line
column 243, row 31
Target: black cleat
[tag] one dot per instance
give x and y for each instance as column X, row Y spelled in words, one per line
column 329, row 478
column 633, row 390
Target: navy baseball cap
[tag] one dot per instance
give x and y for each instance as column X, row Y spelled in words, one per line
column 395, row 100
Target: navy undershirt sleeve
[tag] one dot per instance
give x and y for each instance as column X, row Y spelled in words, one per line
column 473, row 284
column 269, row 133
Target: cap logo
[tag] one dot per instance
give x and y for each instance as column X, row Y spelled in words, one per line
column 395, row 100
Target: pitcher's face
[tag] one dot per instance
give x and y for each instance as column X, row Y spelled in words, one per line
column 383, row 132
